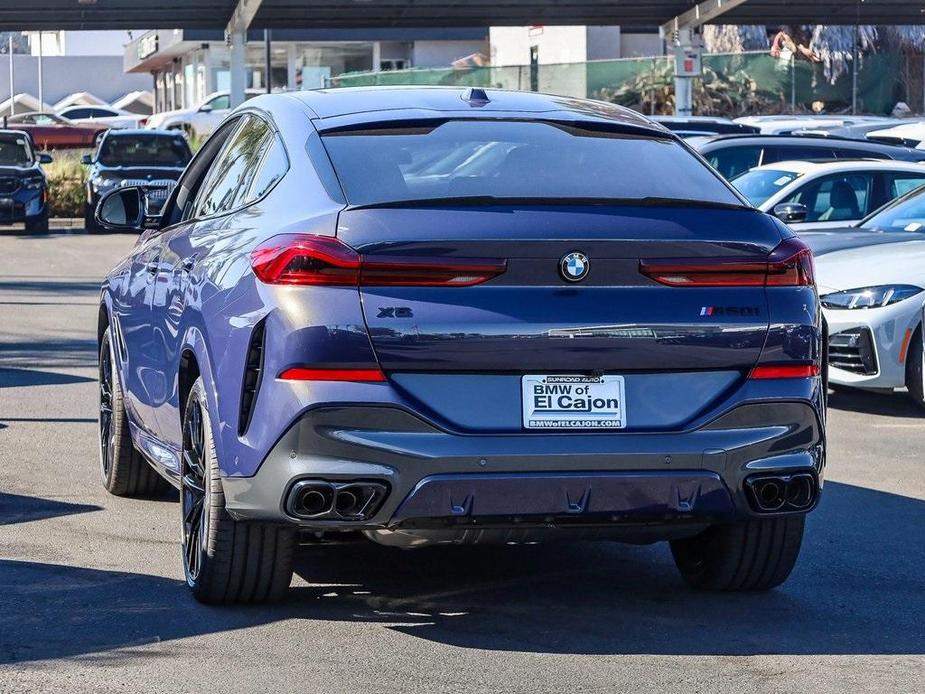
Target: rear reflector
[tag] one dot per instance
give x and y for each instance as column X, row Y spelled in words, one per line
column 790, row 264
column 359, row 375
column 787, row 371
column 302, row 259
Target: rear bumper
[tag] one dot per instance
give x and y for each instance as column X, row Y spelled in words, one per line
column 438, row 480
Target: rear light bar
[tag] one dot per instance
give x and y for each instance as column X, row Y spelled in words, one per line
column 307, row 374
column 790, row 264
column 302, row 259
column 761, row 373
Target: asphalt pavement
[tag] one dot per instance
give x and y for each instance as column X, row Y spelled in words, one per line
column 92, row 596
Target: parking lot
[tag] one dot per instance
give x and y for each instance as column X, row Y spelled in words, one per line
column 92, row 597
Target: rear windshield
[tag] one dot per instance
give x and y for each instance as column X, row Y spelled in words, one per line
column 15, row 151
column 144, row 150
column 761, row 184
column 516, row 159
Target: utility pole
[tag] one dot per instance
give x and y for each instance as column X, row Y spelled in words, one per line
column 41, row 92
column 12, row 81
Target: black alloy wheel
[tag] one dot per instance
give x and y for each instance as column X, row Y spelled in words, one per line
column 193, row 496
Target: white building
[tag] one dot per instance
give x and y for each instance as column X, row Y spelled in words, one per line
column 74, row 43
column 189, row 64
column 555, row 46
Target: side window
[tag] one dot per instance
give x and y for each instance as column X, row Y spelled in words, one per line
column 732, row 161
column 220, row 103
column 848, row 153
column 273, row 167
column 78, row 113
column 796, row 153
column 902, row 183
column 233, row 171
column 840, row 197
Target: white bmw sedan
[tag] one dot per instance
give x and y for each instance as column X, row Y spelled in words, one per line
column 872, row 282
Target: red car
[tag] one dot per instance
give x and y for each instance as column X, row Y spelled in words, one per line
column 51, row 131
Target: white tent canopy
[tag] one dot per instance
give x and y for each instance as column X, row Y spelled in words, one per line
column 21, row 103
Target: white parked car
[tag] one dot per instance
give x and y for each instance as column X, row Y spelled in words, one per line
column 872, row 281
column 106, row 115
column 910, row 134
column 872, row 299
column 788, row 124
column 199, row 121
column 822, row 194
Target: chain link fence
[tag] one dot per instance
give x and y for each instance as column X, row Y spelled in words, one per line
column 733, row 84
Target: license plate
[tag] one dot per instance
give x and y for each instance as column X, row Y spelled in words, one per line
column 573, row 402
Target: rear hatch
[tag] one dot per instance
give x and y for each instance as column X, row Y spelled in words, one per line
column 460, row 352
column 530, row 195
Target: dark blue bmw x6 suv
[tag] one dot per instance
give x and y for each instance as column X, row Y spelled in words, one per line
column 443, row 316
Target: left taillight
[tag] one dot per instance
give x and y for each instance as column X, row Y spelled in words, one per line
column 302, row 259
column 790, row 264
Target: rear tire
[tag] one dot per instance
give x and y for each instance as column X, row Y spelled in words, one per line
column 124, row 471
column 914, row 375
column 224, row 560
column 749, row 555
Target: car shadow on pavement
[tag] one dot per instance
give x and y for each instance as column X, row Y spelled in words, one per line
column 18, row 378
column 872, row 402
column 15, row 508
column 49, row 353
column 856, row 590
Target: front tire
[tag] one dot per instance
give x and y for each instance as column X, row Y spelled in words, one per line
column 749, row 555
column 124, row 471
column 90, row 225
column 224, row 560
column 39, row 225
column 914, row 369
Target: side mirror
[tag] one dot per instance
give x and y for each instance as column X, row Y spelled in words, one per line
column 45, row 158
column 126, row 209
column 791, row 212
column 86, row 159
column 205, row 108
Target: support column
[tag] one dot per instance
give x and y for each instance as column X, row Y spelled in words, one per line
column 268, row 59
column 688, row 55
column 683, row 33
column 291, row 57
column 236, row 37
column 238, row 71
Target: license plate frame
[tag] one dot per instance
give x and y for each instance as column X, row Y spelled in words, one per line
column 568, row 402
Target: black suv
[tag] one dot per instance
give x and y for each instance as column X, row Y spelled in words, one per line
column 23, row 186
column 148, row 158
column 732, row 155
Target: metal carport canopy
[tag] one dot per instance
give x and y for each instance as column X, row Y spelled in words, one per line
column 18, row 15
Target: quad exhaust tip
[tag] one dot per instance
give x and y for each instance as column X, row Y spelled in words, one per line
column 780, row 493
column 335, row 500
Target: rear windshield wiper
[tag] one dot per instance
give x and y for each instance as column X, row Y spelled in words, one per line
column 477, row 200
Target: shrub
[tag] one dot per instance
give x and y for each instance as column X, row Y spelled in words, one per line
column 66, row 184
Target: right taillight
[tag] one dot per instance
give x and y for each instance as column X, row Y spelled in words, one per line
column 790, row 264
column 303, row 259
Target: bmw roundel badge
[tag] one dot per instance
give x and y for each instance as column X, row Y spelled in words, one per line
column 574, row 267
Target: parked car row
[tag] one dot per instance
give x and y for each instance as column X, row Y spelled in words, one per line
column 120, row 158
column 860, row 206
